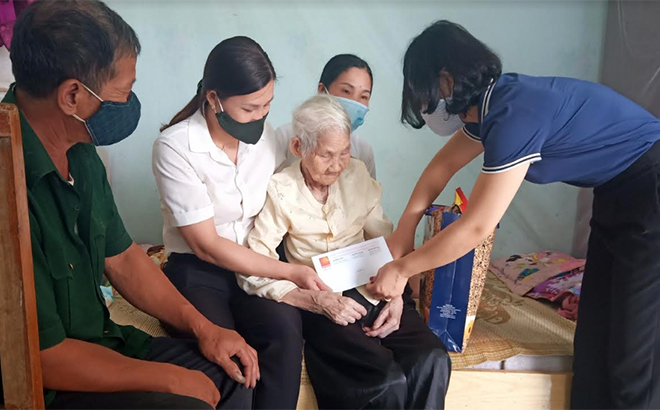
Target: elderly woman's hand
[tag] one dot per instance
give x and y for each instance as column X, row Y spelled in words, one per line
column 388, row 320
column 307, row 278
column 339, row 309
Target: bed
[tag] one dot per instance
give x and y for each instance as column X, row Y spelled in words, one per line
column 518, row 357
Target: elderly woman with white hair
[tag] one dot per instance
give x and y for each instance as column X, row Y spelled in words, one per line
column 360, row 353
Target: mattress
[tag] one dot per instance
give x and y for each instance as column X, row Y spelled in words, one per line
column 516, row 333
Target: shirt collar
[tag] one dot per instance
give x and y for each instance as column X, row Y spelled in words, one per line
column 199, row 137
column 484, row 103
column 37, row 161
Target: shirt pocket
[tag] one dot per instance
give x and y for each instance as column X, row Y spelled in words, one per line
column 61, row 267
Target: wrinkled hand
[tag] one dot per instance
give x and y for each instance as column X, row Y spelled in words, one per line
column 193, row 383
column 307, row 278
column 219, row 345
column 388, row 283
column 388, row 320
column 338, row 308
column 400, row 243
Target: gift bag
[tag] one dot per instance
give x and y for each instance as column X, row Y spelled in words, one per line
column 450, row 294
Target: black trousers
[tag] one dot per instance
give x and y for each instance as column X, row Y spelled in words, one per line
column 273, row 329
column 164, row 350
column 618, row 330
column 409, row 369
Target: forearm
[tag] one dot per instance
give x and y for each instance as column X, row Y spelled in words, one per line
column 139, row 280
column 456, row 154
column 74, row 365
column 448, row 245
column 302, row 299
column 433, row 180
column 236, row 258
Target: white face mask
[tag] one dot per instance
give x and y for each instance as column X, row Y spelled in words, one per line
column 441, row 122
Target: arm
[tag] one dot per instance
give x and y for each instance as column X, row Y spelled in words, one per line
column 457, row 153
column 212, row 248
column 73, row 365
column 490, row 198
column 140, row 281
column 270, row 227
column 338, row 308
column 377, row 223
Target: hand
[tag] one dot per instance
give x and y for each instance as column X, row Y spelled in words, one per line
column 307, row 278
column 388, row 320
column 401, row 243
column 219, row 345
column 388, row 283
column 339, row 309
column 193, row 383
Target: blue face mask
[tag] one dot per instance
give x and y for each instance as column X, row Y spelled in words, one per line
column 356, row 111
column 113, row 122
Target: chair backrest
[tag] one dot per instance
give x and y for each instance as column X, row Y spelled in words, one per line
column 19, row 335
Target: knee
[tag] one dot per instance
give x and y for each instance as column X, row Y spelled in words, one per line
column 439, row 356
column 439, row 360
column 439, row 365
column 433, row 361
column 281, row 337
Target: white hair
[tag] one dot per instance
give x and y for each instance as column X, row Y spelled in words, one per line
column 317, row 115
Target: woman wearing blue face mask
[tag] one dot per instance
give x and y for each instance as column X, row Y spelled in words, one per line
column 348, row 78
column 544, row 129
column 212, row 165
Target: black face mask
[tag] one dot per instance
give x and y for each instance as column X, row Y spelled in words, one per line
column 247, row 132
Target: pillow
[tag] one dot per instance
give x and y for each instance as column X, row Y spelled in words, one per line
column 521, row 273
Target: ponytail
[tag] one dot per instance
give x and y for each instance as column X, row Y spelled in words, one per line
column 196, row 103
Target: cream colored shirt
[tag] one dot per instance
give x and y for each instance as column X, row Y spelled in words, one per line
column 351, row 214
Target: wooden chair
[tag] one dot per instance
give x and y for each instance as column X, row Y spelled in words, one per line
column 19, row 335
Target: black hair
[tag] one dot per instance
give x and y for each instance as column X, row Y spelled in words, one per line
column 54, row 41
column 341, row 63
column 236, row 66
column 445, row 46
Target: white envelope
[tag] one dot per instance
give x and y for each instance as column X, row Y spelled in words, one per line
column 352, row 266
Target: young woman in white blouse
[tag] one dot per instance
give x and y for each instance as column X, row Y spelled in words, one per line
column 212, row 165
column 349, row 78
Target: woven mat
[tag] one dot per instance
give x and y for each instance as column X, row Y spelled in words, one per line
column 508, row 325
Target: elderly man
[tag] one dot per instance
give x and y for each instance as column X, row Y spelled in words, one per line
column 359, row 353
column 74, row 64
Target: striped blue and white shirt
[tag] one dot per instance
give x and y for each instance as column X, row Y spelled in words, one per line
column 569, row 130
